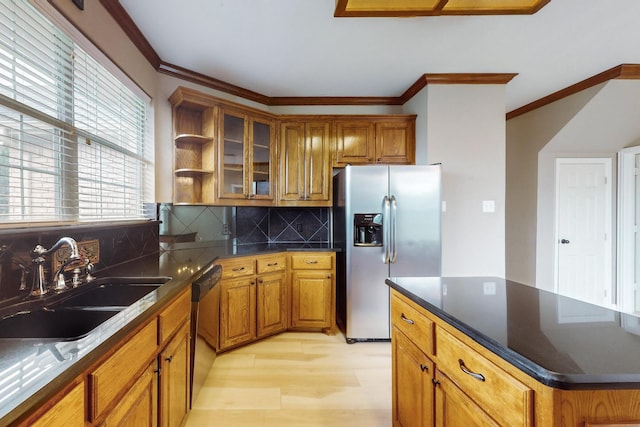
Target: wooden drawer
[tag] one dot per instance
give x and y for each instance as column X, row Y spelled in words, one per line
column 508, row 400
column 173, row 316
column 312, row 261
column 412, row 323
column 267, row 264
column 238, row 267
column 109, row 380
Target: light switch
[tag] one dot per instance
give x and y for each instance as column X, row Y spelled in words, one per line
column 488, row 206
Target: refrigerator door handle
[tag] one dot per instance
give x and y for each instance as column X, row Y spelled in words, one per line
column 393, row 246
column 386, row 225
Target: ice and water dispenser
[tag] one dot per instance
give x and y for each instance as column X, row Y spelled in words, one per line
column 367, row 229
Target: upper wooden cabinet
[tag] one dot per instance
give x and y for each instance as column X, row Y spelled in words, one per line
column 305, row 163
column 228, row 154
column 246, row 153
column 363, row 140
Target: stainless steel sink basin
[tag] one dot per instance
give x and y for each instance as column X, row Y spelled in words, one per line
column 53, row 324
column 112, row 292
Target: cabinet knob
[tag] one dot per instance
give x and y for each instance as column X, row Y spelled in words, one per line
column 435, row 382
column 424, row 368
column 169, row 358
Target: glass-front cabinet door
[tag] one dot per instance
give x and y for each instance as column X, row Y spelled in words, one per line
column 245, row 150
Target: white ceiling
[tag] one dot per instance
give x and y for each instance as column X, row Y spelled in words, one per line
column 282, row 48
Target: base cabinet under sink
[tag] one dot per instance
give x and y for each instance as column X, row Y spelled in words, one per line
column 143, row 381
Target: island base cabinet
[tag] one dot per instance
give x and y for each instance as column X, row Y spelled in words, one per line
column 413, row 389
column 174, row 380
column 455, row 409
column 138, row 407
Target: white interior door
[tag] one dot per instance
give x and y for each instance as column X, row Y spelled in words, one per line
column 583, row 229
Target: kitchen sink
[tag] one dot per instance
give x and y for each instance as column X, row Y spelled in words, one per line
column 74, row 313
column 112, row 292
column 53, row 324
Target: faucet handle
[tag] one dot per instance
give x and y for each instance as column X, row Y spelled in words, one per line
column 59, row 284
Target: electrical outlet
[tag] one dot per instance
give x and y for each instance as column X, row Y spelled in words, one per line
column 489, row 288
column 225, row 229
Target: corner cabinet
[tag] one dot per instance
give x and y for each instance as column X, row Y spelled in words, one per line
column 253, row 299
column 305, row 163
column 194, row 147
column 246, row 153
column 361, row 140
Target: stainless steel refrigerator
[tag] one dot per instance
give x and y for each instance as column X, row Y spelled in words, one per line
column 386, row 223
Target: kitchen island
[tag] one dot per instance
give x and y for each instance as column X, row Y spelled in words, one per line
column 36, row 370
column 488, row 351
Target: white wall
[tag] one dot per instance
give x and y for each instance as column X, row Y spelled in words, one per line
column 596, row 122
column 466, row 133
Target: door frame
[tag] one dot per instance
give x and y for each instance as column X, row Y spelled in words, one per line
column 627, row 228
column 608, row 217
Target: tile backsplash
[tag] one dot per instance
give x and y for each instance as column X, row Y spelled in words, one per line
column 246, row 224
column 282, row 225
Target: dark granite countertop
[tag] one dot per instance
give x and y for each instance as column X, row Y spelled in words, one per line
column 33, row 370
column 559, row 341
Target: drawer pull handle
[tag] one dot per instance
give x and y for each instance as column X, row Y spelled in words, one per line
column 310, row 261
column 424, row 368
column 272, row 264
column 237, row 269
column 409, row 321
column 475, row 375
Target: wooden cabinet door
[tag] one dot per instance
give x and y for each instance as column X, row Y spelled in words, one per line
column 68, row 411
column 311, row 299
column 454, row 408
column 271, row 304
column 317, row 163
column 232, row 155
column 237, row 312
column 305, row 168
column 354, row 143
column 175, row 379
column 395, row 142
column 261, row 160
column 139, row 406
column 291, row 182
column 412, row 384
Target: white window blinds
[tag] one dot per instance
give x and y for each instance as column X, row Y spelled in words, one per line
column 75, row 142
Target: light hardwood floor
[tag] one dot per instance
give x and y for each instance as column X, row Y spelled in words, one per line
column 298, row 379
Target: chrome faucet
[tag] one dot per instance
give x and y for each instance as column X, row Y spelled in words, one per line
column 39, row 286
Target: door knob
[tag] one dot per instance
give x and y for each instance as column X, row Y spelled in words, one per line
column 564, row 241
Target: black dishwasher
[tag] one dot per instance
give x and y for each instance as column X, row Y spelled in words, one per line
column 205, row 307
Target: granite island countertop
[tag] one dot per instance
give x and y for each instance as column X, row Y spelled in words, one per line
column 33, row 370
column 559, row 341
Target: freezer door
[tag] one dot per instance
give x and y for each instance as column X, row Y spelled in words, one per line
column 367, row 294
column 416, row 190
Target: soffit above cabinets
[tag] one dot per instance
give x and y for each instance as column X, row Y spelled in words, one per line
column 397, row 8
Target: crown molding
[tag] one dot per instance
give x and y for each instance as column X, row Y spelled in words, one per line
column 132, row 31
column 623, row 71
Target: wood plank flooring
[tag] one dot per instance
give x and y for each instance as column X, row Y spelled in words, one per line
column 298, row 379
